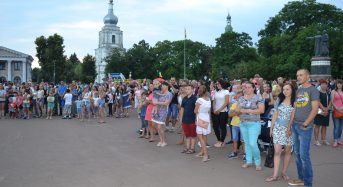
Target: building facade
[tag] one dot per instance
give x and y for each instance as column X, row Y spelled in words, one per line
column 110, row 37
column 14, row 66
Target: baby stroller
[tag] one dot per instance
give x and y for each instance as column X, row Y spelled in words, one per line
column 264, row 138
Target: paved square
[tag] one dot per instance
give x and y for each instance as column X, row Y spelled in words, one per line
column 69, row 153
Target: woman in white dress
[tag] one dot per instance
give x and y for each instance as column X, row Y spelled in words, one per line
column 202, row 110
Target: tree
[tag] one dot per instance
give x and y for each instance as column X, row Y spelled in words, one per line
column 283, row 42
column 37, row 75
column 88, row 69
column 231, row 50
column 71, row 63
column 116, row 62
column 51, row 59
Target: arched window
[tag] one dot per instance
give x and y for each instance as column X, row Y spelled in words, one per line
column 17, row 80
column 113, row 38
column 2, row 79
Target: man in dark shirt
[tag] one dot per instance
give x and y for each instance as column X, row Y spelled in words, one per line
column 187, row 116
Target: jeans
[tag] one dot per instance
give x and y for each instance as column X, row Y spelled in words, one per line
column 250, row 132
column 302, row 144
column 338, row 127
column 144, row 122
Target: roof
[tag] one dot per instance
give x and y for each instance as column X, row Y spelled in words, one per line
column 10, row 53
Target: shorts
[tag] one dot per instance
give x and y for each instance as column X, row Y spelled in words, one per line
column 102, row 103
column 78, row 110
column 236, row 135
column 67, row 109
column 26, row 105
column 173, row 111
column 51, row 105
column 189, row 130
column 86, row 104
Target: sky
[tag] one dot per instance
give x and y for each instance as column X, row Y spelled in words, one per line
column 79, row 21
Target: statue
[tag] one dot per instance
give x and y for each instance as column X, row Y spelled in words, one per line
column 321, row 44
column 324, row 48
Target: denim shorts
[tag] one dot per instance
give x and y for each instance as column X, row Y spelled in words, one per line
column 173, row 111
column 86, row 104
column 236, row 133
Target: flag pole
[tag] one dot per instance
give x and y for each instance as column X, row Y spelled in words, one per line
column 184, row 56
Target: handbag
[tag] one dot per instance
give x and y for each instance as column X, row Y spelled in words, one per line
column 269, row 162
column 201, row 123
column 337, row 114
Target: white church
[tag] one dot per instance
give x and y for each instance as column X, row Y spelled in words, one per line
column 110, row 37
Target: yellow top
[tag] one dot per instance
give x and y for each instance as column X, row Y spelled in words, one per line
column 235, row 120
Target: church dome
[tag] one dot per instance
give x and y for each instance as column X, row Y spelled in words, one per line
column 110, row 18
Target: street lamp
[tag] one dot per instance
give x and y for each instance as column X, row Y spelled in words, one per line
column 54, row 71
column 205, row 77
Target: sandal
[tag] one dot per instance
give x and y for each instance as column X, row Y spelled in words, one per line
column 200, row 155
column 185, row 151
column 206, row 158
column 190, row 151
column 285, row 177
column 272, row 178
column 246, row 165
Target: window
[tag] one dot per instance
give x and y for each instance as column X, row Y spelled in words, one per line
column 3, row 65
column 113, row 38
column 17, row 80
column 17, row 65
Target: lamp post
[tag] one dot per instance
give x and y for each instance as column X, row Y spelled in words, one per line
column 54, row 71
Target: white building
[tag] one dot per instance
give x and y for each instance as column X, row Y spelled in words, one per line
column 110, row 37
column 14, row 66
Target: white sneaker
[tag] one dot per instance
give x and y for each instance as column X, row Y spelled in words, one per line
column 163, row 144
column 325, row 142
column 159, row 144
column 318, row 143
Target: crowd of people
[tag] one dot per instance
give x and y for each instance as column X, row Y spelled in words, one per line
column 194, row 108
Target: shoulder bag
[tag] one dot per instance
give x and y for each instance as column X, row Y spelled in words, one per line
column 336, row 113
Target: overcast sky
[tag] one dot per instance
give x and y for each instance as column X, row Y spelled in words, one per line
column 79, row 21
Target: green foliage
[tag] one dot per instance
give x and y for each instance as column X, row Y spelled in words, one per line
column 284, row 42
column 231, row 55
column 51, row 59
column 37, row 75
column 88, row 69
column 167, row 57
column 71, row 64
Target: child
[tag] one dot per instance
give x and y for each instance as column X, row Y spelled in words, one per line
column 20, row 99
column 78, row 103
column 142, row 107
column 96, row 100
column 51, row 104
column 68, row 97
column 235, row 125
column 12, row 105
column 26, row 104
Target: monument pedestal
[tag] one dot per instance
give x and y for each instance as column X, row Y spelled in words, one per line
column 320, row 68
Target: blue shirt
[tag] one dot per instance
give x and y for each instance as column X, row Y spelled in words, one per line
column 188, row 105
column 62, row 89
